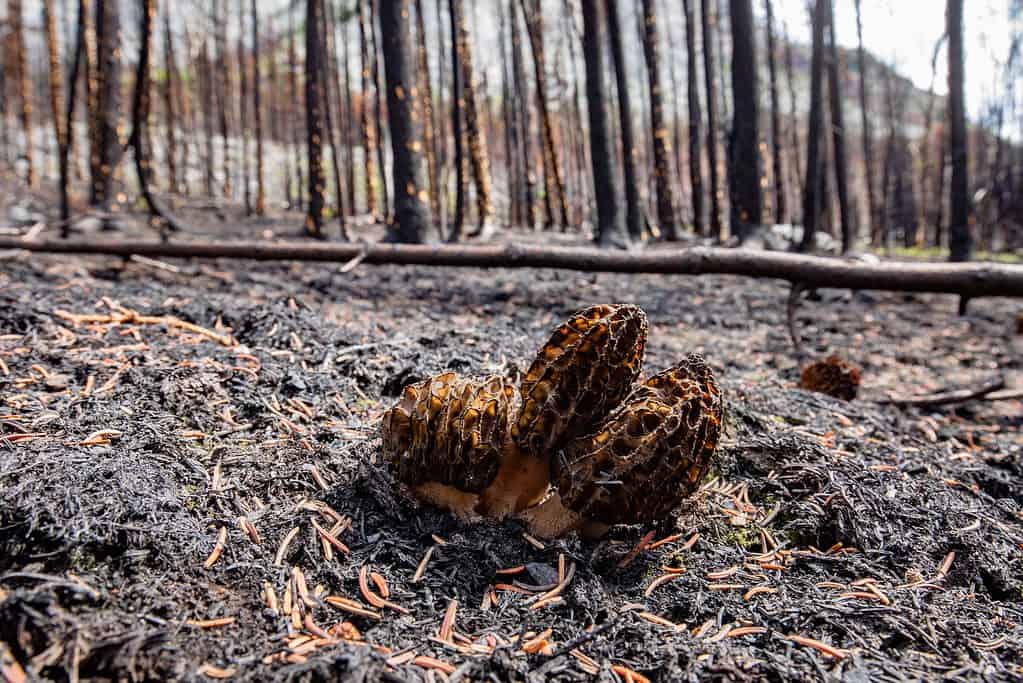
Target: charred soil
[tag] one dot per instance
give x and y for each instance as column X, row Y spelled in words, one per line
column 191, row 485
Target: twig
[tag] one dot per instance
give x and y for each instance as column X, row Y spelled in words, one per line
column 953, row 395
column 795, row 293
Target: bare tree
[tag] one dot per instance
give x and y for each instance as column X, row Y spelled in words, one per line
column 473, row 132
column 716, row 226
column 522, row 103
column 106, row 143
column 56, row 91
column 314, row 117
column 838, row 134
column 693, row 97
column 634, row 211
column 457, row 98
column 813, row 188
column 22, row 82
column 410, row 212
column 170, row 116
column 243, row 110
column 369, row 132
column 960, row 240
column 658, row 127
column 554, row 190
column 257, row 112
column 426, row 98
column 868, row 143
column 601, row 155
column 744, row 145
column 225, row 93
column 777, row 167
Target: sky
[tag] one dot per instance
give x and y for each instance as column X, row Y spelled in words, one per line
column 904, row 32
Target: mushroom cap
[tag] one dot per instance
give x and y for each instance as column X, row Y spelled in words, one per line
column 650, row 453
column 449, row 430
column 583, row 371
column 832, row 376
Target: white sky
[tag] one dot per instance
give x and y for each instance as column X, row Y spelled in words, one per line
column 905, row 31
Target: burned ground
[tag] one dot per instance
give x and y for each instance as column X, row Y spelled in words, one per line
column 834, row 539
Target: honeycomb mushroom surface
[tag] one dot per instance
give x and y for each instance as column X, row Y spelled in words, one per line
column 449, row 430
column 649, row 453
column 585, row 369
column 832, row 376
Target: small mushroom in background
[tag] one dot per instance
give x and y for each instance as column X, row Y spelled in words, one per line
column 641, row 461
column 832, row 376
column 618, row 452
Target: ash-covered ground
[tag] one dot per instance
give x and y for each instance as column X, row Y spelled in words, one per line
column 191, row 485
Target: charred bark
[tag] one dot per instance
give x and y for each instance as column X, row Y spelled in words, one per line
column 314, row 118
column 746, row 196
column 411, row 217
column 960, row 240
column 658, row 127
column 633, row 208
column 601, row 155
column 695, row 124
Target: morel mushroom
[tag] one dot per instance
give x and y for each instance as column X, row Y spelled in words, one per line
column 649, row 454
column 446, row 435
column 583, row 371
column 832, row 376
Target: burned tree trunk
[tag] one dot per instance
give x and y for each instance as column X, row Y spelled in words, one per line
column 106, row 144
column 22, row 83
column 224, row 92
column 69, row 118
column 960, row 241
column 522, row 101
column 473, row 133
column 813, row 188
column 410, row 213
column 426, row 99
column 868, row 143
column 838, row 134
column 716, row 226
column 295, row 142
column 257, row 113
column 170, row 117
column 349, row 122
column 206, row 88
column 56, row 94
column 634, row 211
column 243, row 110
column 314, row 118
column 378, row 106
column 780, row 214
column 658, row 127
column 693, row 97
column 554, row 190
column 744, row 162
column 457, row 98
column 601, row 155
column 327, row 80
column 140, row 119
column 369, row 132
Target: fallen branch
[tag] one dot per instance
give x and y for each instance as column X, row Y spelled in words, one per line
column 971, row 279
column 984, row 391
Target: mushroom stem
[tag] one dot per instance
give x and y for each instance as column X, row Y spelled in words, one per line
column 521, row 482
column 448, row 497
column 551, row 519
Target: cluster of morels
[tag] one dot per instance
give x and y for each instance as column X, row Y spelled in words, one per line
column 581, row 443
